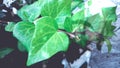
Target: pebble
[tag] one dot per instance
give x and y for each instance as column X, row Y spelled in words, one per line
column 103, row 59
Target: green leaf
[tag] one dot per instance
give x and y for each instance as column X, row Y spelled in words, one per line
column 46, row 41
column 68, row 24
column 109, row 14
column 58, row 9
column 78, row 20
column 43, row 39
column 23, row 31
column 21, row 47
column 82, row 40
column 9, row 27
column 108, row 45
column 97, row 23
column 102, row 23
column 110, row 17
column 4, row 52
column 79, row 16
column 95, row 14
column 108, row 30
column 75, row 3
column 30, row 12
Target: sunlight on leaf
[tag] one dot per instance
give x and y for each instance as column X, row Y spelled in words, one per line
column 68, row 24
column 46, row 41
column 30, row 12
column 23, row 31
column 46, row 23
column 58, row 9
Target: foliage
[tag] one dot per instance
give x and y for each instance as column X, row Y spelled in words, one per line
column 4, row 52
column 9, row 27
column 48, row 25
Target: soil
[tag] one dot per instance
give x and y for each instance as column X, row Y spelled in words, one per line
column 17, row 59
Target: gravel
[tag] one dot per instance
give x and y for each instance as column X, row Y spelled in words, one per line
column 103, row 59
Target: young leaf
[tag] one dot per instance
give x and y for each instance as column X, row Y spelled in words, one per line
column 4, row 52
column 102, row 23
column 23, row 31
column 108, row 30
column 46, row 41
column 108, row 45
column 78, row 20
column 109, row 16
column 97, row 23
column 58, row 9
column 9, row 27
column 79, row 16
column 30, row 12
column 96, row 14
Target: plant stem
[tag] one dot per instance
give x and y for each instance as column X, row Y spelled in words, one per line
column 72, row 35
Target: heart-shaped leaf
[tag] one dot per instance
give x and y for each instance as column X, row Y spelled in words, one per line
column 46, row 41
column 23, row 31
column 58, row 9
column 30, row 12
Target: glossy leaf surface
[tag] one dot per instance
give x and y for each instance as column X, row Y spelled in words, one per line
column 46, row 40
column 44, row 37
column 30, row 12
column 58, row 9
column 23, row 31
column 68, row 25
